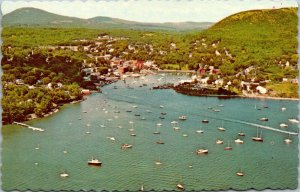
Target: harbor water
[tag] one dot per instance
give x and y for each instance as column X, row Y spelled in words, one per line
column 98, row 126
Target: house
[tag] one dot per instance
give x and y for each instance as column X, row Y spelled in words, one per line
column 201, row 71
column 138, row 64
column 85, row 91
column 123, row 70
column 19, row 82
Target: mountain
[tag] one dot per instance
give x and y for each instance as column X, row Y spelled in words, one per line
column 32, row 17
column 255, row 45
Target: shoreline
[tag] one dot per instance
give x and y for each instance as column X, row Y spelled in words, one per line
column 250, row 96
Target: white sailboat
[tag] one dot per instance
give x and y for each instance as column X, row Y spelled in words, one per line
column 288, row 140
column 221, row 128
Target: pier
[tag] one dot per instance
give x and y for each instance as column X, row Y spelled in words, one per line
column 29, row 127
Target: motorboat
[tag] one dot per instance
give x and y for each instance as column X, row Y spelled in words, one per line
column 294, row 120
column 242, row 134
column 160, row 142
column 264, row 119
column 64, row 175
column 199, row 131
column 205, row 121
column 239, row 141
column 182, row 117
column 201, row 151
column 288, row 140
column 221, row 129
column 180, row 186
column 240, row 173
column 94, row 162
column 219, row 142
column 126, row 146
column 283, row 125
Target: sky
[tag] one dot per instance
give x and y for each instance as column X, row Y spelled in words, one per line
column 149, row 10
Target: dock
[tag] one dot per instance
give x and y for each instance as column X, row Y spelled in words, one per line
column 29, row 127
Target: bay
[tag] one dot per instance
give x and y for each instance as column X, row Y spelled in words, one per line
column 270, row 164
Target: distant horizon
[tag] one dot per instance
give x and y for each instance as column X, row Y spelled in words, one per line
column 156, row 11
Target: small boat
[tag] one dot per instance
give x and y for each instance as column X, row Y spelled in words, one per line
column 288, row 140
column 182, row 118
column 102, row 126
column 143, row 118
column 202, row 151
column 64, row 175
column 163, row 113
column 264, row 119
column 94, row 162
column 174, row 122
column 176, row 128
column 134, row 106
column 265, row 106
column 228, row 147
column 137, row 115
column 205, row 121
column 199, row 131
column 160, row 142
column 128, row 111
column 240, row 173
column 161, row 106
column 131, row 129
column 241, row 134
column 221, row 129
column 221, row 105
column 65, row 151
column 142, row 188
column 37, row 147
column 161, row 117
column 133, row 134
column 111, row 138
column 294, row 120
column 216, row 110
column 283, row 108
column 116, row 111
column 126, row 146
column 257, row 138
column 219, row 142
column 180, row 186
column 283, row 125
column 88, row 132
column 184, row 135
column 239, row 141
column 158, row 163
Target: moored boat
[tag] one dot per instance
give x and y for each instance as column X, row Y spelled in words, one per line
column 205, row 121
column 239, row 141
column 126, row 146
column 258, row 138
column 219, row 142
column 94, row 162
column 180, row 186
column 182, row 118
column 202, row 151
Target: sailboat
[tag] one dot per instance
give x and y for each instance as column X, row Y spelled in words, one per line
column 228, row 147
column 288, row 140
column 221, row 128
column 157, row 126
column 257, row 138
column 142, row 187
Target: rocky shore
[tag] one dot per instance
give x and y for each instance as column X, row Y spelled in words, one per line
column 193, row 90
